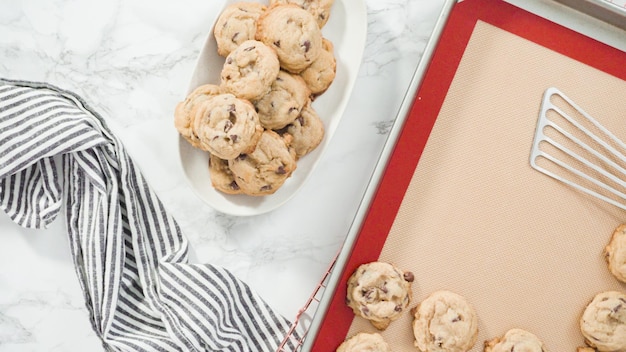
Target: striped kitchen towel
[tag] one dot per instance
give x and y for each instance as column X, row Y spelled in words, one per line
column 130, row 256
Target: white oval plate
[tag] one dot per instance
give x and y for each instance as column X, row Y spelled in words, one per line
column 347, row 29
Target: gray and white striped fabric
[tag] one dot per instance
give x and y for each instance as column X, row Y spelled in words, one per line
column 58, row 156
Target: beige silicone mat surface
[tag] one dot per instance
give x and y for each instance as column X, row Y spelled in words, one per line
column 524, row 249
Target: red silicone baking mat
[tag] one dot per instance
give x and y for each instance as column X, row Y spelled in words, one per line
column 458, row 203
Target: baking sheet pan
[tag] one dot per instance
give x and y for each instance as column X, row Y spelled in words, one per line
column 458, row 203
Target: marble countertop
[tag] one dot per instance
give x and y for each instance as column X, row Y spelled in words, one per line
column 131, row 61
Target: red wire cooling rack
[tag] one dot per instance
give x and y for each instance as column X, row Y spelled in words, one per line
column 305, row 314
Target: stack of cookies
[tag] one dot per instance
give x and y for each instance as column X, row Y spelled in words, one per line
column 258, row 121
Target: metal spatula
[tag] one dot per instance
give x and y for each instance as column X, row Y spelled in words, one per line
column 573, row 147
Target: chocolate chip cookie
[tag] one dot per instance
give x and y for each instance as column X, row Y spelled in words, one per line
column 603, row 322
column 445, row 321
column 250, row 70
column 320, row 9
column 321, row 73
column 515, row 340
column 227, row 126
column 185, row 111
column 364, row 342
column 236, row 24
column 307, row 131
column 264, row 170
column 293, row 33
column 222, row 177
column 379, row 292
column 286, row 98
column 615, row 253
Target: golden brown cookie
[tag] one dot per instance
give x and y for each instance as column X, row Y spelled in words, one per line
column 445, row 321
column 603, row 323
column 515, row 340
column 321, row 73
column 222, row 177
column 319, row 9
column 184, row 112
column 264, row 170
column 286, row 98
column 615, row 253
column 307, row 131
column 250, row 70
column 236, row 24
column 293, row 33
column 379, row 292
column 227, row 126
column 364, row 342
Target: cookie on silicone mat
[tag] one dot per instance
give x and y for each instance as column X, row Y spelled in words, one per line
column 364, row 342
column 227, row 126
column 307, row 131
column 322, row 72
column 445, row 321
column 265, row 170
column 283, row 103
column 249, row 70
column 319, row 9
column 185, row 111
column 615, row 253
column 515, row 340
column 236, row 24
column 222, row 177
column 379, row 292
column 293, row 33
column 603, row 322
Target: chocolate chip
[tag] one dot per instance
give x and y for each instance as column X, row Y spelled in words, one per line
column 292, row 109
column 281, row 170
column 300, row 120
column 365, row 311
column 234, row 138
column 229, row 61
column 234, row 37
column 408, row 276
column 277, row 43
column 250, row 48
column 307, row 46
column 616, row 308
column 457, row 318
column 398, row 308
column 266, row 188
column 242, row 157
column 231, row 108
column 227, row 125
column 234, row 186
column 366, row 292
